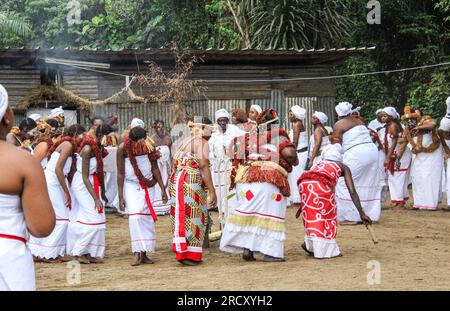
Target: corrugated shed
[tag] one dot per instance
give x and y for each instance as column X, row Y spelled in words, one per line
column 229, row 105
column 19, row 81
column 149, row 112
column 82, row 83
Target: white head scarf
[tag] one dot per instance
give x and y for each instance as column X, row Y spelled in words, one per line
column 448, row 106
column 378, row 111
column 299, row 112
column 332, row 152
column 35, row 116
column 321, row 116
column 344, row 109
column 56, row 112
column 3, row 101
column 257, row 108
column 137, row 122
column 390, row 111
column 222, row 113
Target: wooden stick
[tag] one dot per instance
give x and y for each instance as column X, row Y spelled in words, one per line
column 372, row 234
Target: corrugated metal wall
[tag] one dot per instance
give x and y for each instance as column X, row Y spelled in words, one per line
column 19, row 81
column 147, row 112
column 311, row 104
column 153, row 111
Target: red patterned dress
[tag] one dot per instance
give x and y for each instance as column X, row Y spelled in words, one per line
column 318, row 208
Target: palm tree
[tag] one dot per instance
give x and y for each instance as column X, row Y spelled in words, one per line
column 297, row 23
column 10, row 24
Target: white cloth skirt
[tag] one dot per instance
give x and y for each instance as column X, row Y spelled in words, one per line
column 363, row 163
column 293, row 177
column 258, row 222
column 54, row 245
column 142, row 226
column 160, row 207
column 86, row 235
column 111, row 187
column 16, row 266
column 322, row 248
column 426, row 174
column 398, row 183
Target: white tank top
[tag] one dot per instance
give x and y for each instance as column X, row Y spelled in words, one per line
column 302, row 139
column 92, row 165
column 51, row 165
column 12, row 220
column 356, row 136
column 312, row 142
column 144, row 166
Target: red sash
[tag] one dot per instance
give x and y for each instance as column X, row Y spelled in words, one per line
column 13, row 237
column 97, row 190
column 149, row 203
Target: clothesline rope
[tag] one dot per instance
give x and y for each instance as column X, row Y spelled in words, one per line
column 288, row 79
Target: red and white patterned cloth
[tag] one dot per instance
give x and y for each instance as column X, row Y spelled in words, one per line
column 318, row 208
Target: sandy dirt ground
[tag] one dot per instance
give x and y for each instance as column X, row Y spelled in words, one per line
column 413, row 254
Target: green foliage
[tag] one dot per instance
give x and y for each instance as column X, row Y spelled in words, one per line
column 13, row 28
column 365, row 91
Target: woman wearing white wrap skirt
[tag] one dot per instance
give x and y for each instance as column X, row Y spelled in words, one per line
column 361, row 156
column 299, row 138
column 111, row 143
column 427, row 160
column 58, row 173
column 24, row 207
column 87, row 235
column 319, row 139
column 398, row 158
column 138, row 176
column 163, row 144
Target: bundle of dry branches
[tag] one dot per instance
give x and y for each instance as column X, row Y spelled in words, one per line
column 173, row 86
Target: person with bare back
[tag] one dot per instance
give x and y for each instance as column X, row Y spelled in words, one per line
column 192, row 190
column 361, row 156
column 25, row 207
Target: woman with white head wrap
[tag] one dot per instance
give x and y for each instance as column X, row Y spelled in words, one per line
column 361, row 156
column 376, row 123
column 299, row 138
column 220, row 164
column 319, row 139
column 22, row 189
column 254, row 111
column 397, row 158
column 318, row 207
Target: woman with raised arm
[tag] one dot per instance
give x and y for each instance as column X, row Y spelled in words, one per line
column 189, row 185
column 25, row 207
column 87, row 240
